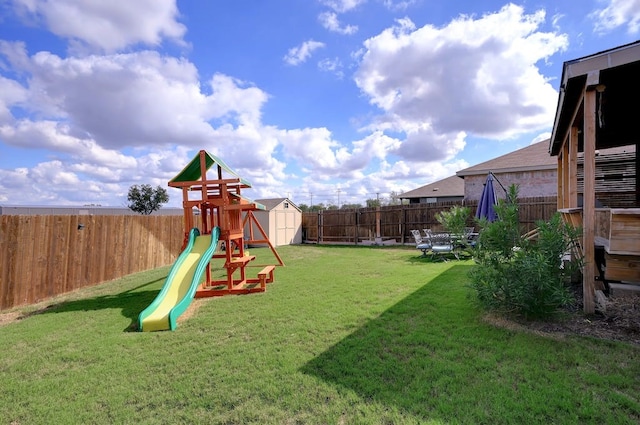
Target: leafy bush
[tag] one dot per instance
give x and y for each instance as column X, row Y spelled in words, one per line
column 514, row 275
column 454, row 220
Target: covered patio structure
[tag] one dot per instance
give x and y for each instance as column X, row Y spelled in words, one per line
column 598, row 112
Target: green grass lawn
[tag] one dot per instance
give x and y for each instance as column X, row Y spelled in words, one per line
column 345, row 335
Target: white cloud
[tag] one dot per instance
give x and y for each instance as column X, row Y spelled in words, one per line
column 618, row 13
column 333, row 66
column 313, row 147
column 46, row 183
column 11, row 94
column 342, row 6
column 318, row 153
column 106, row 25
column 398, row 4
column 109, row 120
column 235, row 98
column 540, row 137
column 87, row 111
column 297, row 55
column 426, row 146
column 136, row 99
column 53, row 174
column 473, row 76
column 329, row 20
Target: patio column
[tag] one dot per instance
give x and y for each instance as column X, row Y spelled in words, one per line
column 589, row 201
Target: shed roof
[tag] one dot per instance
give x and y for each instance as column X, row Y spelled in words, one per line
column 452, row 186
column 531, row 158
column 271, row 203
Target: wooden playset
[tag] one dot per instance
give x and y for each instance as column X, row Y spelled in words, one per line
column 211, row 201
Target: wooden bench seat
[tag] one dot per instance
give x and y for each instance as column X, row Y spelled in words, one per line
column 266, row 276
column 241, row 261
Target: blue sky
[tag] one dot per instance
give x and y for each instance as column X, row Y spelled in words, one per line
column 321, row 101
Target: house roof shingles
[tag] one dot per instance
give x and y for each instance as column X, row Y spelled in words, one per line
column 451, row 186
column 531, row 158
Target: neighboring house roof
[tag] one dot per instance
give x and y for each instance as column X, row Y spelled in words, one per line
column 271, row 203
column 450, row 187
column 531, row 158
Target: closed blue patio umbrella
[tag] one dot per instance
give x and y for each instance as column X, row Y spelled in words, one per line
column 487, row 201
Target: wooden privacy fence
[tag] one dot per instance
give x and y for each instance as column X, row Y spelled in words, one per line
column 43, row 256
column 396, row 222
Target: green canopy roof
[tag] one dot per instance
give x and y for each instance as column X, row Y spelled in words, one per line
column 192, row 171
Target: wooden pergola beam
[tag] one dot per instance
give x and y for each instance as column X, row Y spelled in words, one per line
column 572, row 164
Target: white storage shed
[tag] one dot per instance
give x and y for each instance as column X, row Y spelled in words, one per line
column 281, row 220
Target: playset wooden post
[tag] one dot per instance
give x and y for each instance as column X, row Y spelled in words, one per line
column 219, row 203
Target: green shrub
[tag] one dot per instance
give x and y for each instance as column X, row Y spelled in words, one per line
column 517, row 276
column 455, row 220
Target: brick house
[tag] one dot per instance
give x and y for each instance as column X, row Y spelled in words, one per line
column 535, row 171
column 532, row 168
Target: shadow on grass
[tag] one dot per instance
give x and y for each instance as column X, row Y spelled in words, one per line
column 389, row 358
column 430, row 259
column 423, row 355
column 131, row 302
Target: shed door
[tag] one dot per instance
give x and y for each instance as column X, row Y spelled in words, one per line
column 285, row 227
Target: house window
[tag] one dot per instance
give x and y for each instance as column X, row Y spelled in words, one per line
column 286, row 205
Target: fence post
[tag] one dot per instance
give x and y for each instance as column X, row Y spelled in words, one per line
column 357, row 227
column 403, row 227
column 378, row 238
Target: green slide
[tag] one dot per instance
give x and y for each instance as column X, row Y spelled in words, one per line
column 181, row 284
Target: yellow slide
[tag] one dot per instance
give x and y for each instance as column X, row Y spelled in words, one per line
column 181, row 284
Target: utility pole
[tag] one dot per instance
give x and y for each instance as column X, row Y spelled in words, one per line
column 338, row 197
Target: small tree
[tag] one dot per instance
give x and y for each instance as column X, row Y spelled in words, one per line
column 350, row 206
column 316, row 208
column 394, row 199
column 144, row 199
column 372, row 203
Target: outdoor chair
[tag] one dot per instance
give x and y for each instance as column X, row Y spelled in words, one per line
column 470, row 237
column 421, row 244
column 441, row 245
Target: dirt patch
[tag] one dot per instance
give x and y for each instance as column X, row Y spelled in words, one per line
column 619, row 322
column 14, row 316
column 7, row 318
column 191, row 310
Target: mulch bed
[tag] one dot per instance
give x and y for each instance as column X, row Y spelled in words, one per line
column 619, row 322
